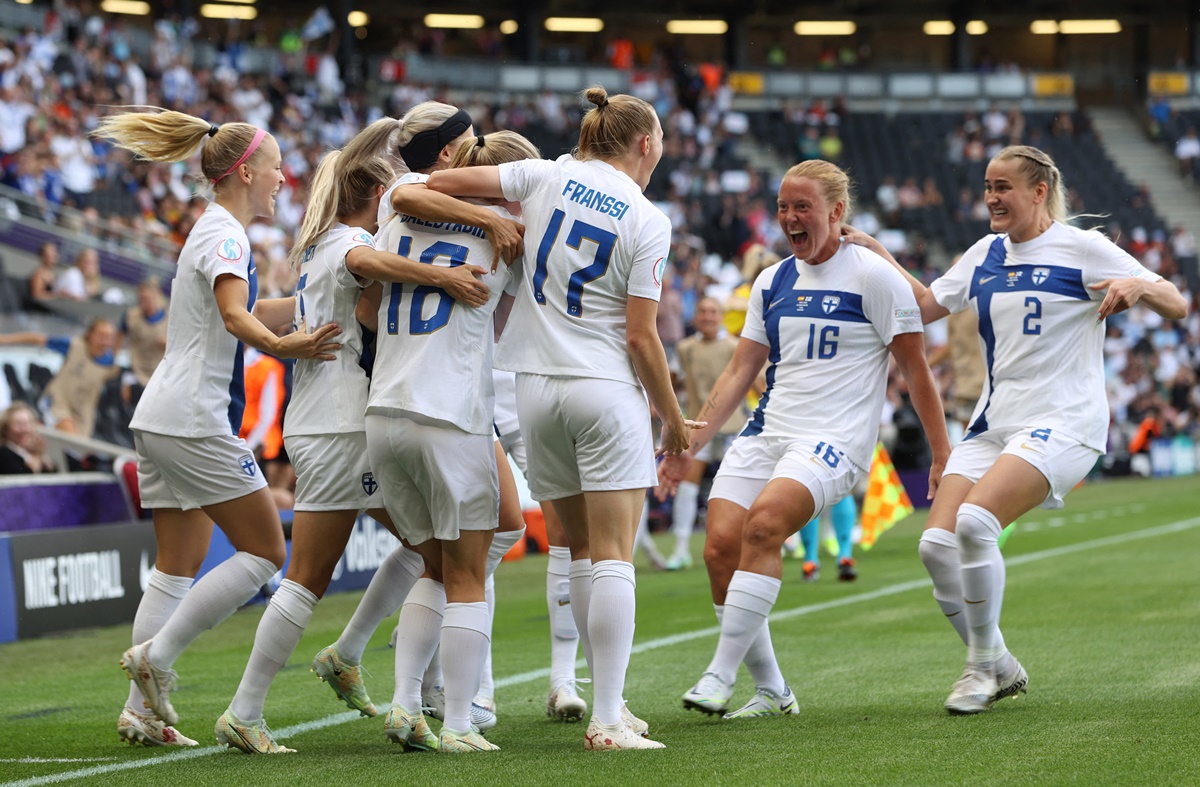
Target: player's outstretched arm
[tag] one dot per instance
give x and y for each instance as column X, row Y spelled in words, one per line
column 909, row 351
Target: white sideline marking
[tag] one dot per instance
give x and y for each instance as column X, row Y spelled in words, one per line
column 654, row 644
column 35, row 760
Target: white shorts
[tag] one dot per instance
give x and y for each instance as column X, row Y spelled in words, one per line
column 753, row 461
column 584, row 435
column 437, row 480
column 514, row 446
column 333, row 472
column 714, row 450
column 1064, row 461
column 191, row 472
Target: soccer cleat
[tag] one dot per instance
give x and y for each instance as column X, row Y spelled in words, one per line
column 973, row 692
column 1010, row 681
column 638, row 726
column 482, row 718
column 433, row 702
column 345, row 680
column 846, row 572
column 155, row 684
column 409, row 729
column 710, row 695
column 615, row 737
column 565, row 704
column 812, row 571
column 451, row 742
column 143, row 728
column 766, row 703
column 679, row 561
column 251, row 737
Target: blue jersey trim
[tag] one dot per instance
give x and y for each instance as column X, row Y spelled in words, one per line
column 237, row 382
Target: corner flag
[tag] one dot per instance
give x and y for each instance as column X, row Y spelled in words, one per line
column 886, row 502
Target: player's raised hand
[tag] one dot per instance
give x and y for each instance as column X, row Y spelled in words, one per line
column 508, row 241
column 1122, row 294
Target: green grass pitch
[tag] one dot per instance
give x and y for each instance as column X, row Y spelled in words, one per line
column 1102, row 608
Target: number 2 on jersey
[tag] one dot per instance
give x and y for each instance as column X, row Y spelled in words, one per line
column 417, row 323
column 580, row 231
column 1033, row 328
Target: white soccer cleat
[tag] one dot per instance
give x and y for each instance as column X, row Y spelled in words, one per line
column 565, row 704
column 765, row 703
column 433, row 703
column 638, row 726
column 482, row 717
column 710, row 695
column 145, row 729
column 1011, row 679
column 155, row 684
column 973, row 692
column 451, row 742
column 616, row 737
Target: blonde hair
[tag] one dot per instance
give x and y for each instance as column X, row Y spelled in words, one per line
column 610, row 127
column 499, row 147
column 757, row 259
column 7, row 416
column 1036, row 167
column 426, row 116
column 832, row 179
column 344, row 181
column 169, row 136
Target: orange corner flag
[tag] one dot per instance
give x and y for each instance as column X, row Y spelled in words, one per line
column 886, row 502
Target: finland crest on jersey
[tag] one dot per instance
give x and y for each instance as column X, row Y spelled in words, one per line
column 1037, row 327
column 434, row 356
column 247, row 464
column 329, row 397
column 828, row 327
column 369, row 484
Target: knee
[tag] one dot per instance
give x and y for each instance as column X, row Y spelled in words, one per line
column 721, row 550
column 763, row 531
column 976, row 527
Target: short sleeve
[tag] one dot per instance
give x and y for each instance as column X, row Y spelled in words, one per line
column 354, row 238
column 222, row 254
column 952, row 290
column 60, row 344
column 519, row 179
column 755, row 328
column 890, row 305
column 650, row 256
column 1105, row 260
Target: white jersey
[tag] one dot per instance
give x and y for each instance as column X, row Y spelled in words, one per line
column 329, row 397
column 386, row 211
column 1038, row 328
column 828, row 327
column 433, row 356
column 198, row 389
column 592, row 240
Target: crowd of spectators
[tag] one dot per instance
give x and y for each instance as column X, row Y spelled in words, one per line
column 55, row 82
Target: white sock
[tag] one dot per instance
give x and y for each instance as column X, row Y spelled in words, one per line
column 760, row 659
column 417, row 638
column 487, row 689
column 215, row 597
column 466, row 639
column 501, row 543
column 683, row 515
column 748, row 601
column 982, row 582
column 580, row 579
column 389, row 587
column 432, row 677
column 163, row 595
column 279, row 632
column 939, row 553
column 610, row 631
column 564, row 636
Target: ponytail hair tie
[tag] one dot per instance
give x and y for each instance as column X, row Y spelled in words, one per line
column 479, row 141
column 604, row 104
column 212, row 130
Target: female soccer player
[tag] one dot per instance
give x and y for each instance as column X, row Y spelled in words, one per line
column 430, row 440
column 336, row 257
column 1042, row 420
column 826, row 318
column 583, row 341
column 193, row 470
column 428, row 136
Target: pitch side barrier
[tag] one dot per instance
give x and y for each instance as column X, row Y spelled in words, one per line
column 65, row 578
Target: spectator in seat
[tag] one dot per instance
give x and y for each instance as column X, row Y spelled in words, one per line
column 82, row 281
column 144, row 327
column 22, row 449
column 1187, row 151
column 41, row 283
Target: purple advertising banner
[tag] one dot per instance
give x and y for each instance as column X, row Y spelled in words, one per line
column 30, row 503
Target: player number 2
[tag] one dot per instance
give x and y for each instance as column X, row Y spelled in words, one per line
column 580, row 231
column 1033, row 328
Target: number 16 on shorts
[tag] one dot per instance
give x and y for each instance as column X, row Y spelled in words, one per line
column 828, row 454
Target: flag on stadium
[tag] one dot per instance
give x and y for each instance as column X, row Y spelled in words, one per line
column 886, row 502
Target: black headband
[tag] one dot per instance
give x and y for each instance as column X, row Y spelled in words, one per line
column 423, row 149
